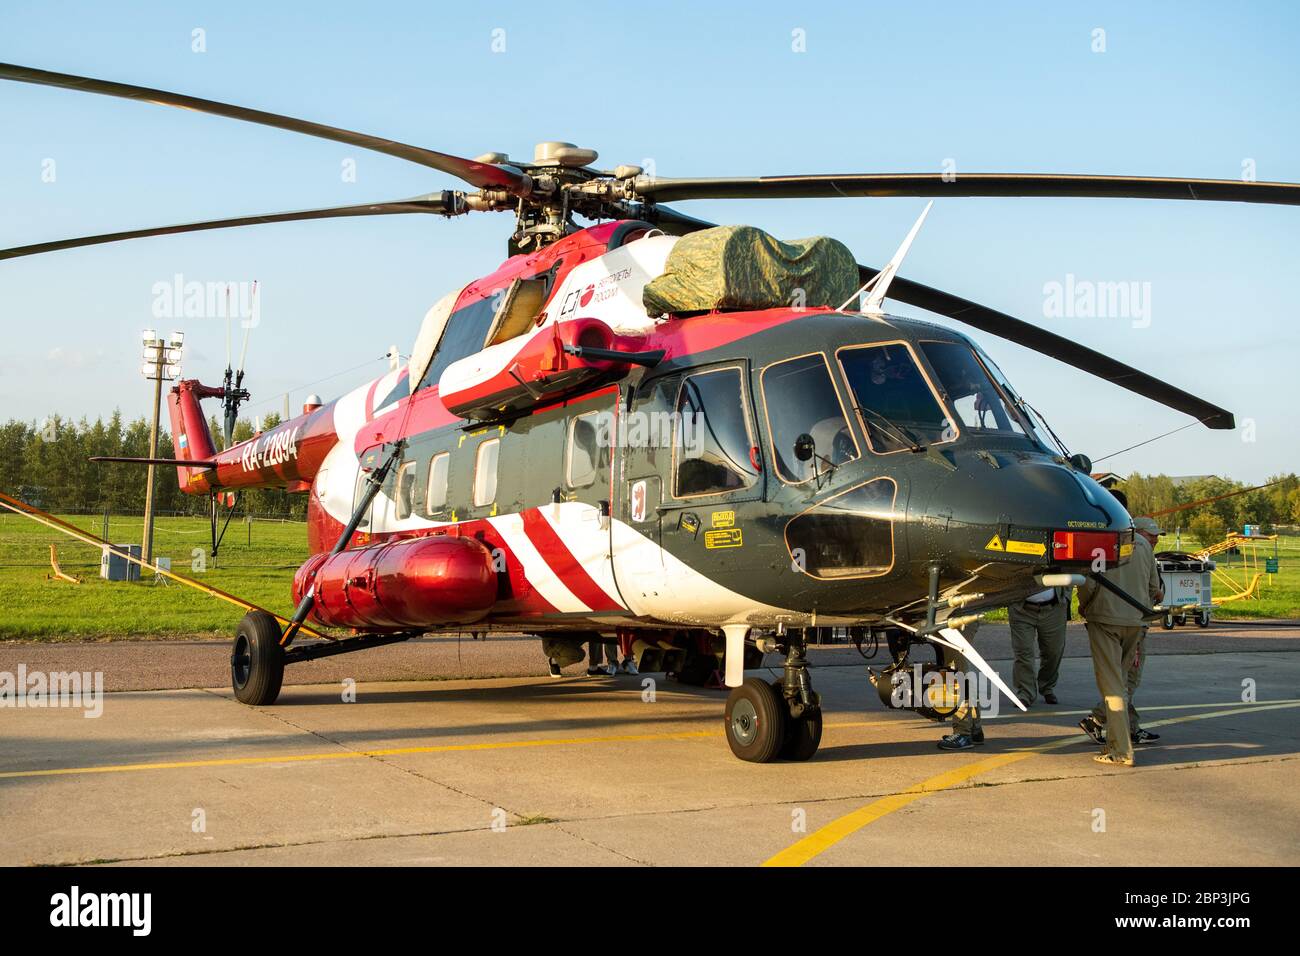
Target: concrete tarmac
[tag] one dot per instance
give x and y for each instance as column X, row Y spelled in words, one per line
column 523, row 770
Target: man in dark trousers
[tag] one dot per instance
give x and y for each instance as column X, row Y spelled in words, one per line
column 1038, row 624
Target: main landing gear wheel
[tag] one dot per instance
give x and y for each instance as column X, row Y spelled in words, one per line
column 803, row 734
column 756, row 721
column 257, row 659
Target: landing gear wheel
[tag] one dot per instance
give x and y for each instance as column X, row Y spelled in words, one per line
column 257, row 660
column 1202, row 618
column 803, row 734
column 755, row 721
column 1168, row 622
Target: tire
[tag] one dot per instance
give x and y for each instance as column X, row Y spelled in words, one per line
column 1202, row 618
column 803, row 734
column 257, row 660
column 1167, row 622
column 755, row 721
column 1181, row 620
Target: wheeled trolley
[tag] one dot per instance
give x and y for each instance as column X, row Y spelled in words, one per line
column 1186, row 582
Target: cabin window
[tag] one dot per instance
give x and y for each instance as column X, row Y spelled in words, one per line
column 485, row 472
column 848, row 536
column 357, row 493
column 801, row 400
column 971, row 394
column 894, row 399
column 588, row 449
column 405, row 492
column 714, row 451
column 435, row 492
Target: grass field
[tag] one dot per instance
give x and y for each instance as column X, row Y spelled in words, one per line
column 257, row 563
column 32, row 606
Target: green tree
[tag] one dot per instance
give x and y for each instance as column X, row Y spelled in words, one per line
column 1207, row 528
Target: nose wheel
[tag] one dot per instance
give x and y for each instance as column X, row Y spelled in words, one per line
column 765, row 722
column 755, row 721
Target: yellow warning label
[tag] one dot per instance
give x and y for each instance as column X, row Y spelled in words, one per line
column 995, row 544
column 1026, row 547
column 724, row 519
column 723, row 538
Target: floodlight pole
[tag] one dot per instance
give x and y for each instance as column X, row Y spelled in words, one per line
column 153, row 450
column 161, row 356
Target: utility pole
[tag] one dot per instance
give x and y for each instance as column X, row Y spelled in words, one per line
column 162, row 363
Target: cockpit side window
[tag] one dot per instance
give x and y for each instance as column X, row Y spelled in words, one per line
column 466, row 332
column 977, row 402
column 713, row 450
column 801, row 400
column 895, row 401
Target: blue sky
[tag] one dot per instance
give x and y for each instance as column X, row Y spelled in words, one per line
column 1180, row 89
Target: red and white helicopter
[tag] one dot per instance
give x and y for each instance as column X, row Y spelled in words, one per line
column 698, row 442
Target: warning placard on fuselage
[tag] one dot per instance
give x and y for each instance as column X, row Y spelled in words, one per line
column 723, row 538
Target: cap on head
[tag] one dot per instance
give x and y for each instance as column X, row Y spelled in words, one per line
column 1147, row 526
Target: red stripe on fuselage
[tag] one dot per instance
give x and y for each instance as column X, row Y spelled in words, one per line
column 561, row 560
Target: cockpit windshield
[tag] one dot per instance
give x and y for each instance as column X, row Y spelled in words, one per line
column 971, row 392
column 897, row 406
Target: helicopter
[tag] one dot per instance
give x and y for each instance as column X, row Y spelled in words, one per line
column 697, row 441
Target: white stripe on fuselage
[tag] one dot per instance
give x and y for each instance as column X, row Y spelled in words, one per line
column 536, row 569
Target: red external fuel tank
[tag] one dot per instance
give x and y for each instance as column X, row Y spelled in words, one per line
column 411, row 583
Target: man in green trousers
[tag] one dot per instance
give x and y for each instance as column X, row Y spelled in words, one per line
column 1038, row 624
column 1115, row 630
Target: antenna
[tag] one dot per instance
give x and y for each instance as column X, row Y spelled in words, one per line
column 878, row 284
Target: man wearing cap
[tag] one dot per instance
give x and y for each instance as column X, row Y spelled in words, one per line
column 1115, row 632
column 1038, row 624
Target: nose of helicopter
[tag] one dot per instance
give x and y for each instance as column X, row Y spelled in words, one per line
column 993, row 507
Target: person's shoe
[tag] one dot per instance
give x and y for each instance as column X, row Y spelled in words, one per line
column 977, row 738
column 957, row 742
column 1144, row 737
column 609, row 670
column 595, row 670
column 554, row 668
column 1093, row 728
column 628, row 666
column 1107, row 757
column 1050, row 698
column 1027, row 703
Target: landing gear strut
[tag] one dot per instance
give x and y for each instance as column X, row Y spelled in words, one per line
column 782, row 719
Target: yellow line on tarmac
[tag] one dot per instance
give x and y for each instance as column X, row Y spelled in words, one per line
column 441, row 748
column 823, row 839
column 348, row 754
column 1015, row 712
column 389, row 752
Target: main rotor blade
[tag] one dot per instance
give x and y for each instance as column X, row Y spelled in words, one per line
column 482, row 175
column 937, row 185
column 446, row 203
column 1053, row 345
